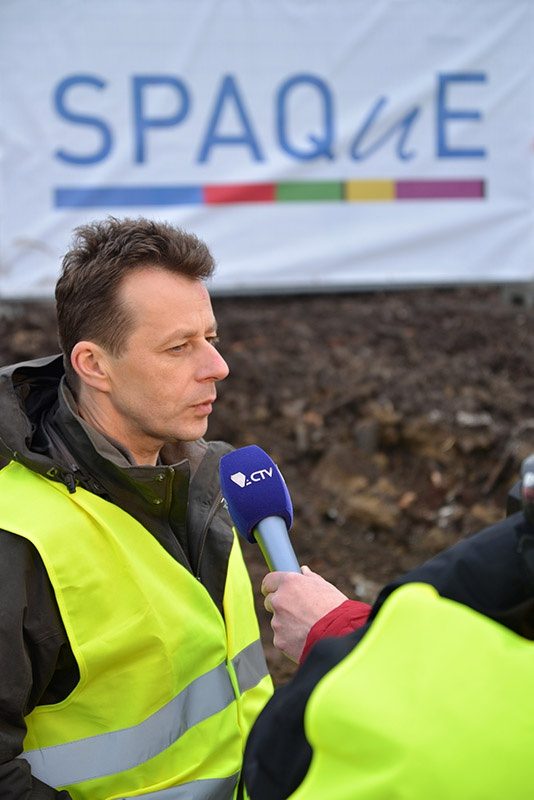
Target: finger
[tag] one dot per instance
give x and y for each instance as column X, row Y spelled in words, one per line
column 270, row 583
column 306, row 570
column 267, row 603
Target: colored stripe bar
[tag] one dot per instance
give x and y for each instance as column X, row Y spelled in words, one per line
column 440, row 190
column 379, row 190
column 107, row 196
column 240, row 193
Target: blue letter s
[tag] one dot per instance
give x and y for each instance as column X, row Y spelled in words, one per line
column 82, row 119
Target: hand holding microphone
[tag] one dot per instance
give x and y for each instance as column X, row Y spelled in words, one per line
column 297, row 602
column 261, row 509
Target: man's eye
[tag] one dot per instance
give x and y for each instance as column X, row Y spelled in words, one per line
column 178, row 348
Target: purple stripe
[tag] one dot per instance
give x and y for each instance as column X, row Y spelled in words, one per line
column 424, row 190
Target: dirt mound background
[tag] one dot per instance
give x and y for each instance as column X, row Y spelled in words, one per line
column 399, row 420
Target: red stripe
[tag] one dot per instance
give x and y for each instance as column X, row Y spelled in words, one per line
column 240, row 193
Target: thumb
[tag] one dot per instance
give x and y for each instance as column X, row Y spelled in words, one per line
column 306, row 570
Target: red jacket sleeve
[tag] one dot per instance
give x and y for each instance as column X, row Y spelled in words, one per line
column 345, row 618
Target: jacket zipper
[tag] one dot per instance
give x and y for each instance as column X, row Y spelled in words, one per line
column 203, row 536
column 169, row 476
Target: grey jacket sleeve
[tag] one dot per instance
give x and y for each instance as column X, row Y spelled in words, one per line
column 36, row 665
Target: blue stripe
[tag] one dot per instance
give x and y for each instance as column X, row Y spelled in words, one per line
column 106, row 196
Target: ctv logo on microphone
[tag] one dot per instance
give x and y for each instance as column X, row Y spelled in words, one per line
column 255, row 477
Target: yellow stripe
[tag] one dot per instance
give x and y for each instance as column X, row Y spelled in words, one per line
column 369, row 190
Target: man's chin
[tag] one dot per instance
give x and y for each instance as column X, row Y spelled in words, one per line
column 190, row 434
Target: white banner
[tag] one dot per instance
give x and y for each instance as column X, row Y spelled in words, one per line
column 312, row 144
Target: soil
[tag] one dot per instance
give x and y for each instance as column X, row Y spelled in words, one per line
column 398, row 419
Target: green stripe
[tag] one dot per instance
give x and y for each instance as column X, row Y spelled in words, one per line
column 313, row 190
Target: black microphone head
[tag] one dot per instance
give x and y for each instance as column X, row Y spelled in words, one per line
column 254, row 489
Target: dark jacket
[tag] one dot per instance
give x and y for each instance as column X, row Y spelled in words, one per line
column 492, row 572
column 178, row 501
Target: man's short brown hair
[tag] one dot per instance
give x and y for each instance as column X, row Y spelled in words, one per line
column 103, row 253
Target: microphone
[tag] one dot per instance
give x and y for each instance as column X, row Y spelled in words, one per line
column 259, row 504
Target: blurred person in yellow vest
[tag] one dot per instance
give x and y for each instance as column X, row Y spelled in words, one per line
column 429, row 695
column 131, row 663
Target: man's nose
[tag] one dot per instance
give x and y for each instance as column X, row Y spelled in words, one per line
column 215, row 367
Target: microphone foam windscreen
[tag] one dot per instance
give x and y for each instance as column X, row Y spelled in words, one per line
column 254, row 489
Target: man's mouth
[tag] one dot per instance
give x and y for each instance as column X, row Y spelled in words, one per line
column 205, row 406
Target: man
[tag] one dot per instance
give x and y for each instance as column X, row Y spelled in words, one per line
column 428, row 694
column 130, row 662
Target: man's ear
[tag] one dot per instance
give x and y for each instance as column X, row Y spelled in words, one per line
column 90, row 362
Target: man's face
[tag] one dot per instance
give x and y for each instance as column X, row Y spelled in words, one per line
column 162, row 386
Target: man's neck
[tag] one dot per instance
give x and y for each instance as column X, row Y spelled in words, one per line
column 106, row 425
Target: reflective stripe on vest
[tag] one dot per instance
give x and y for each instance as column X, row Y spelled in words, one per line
column 117, row 751
column 249, row 666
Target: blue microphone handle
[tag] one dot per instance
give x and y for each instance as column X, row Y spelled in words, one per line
column 275, row 544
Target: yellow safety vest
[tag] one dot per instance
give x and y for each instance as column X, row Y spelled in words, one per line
column 435, row 703
column 168, row 690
